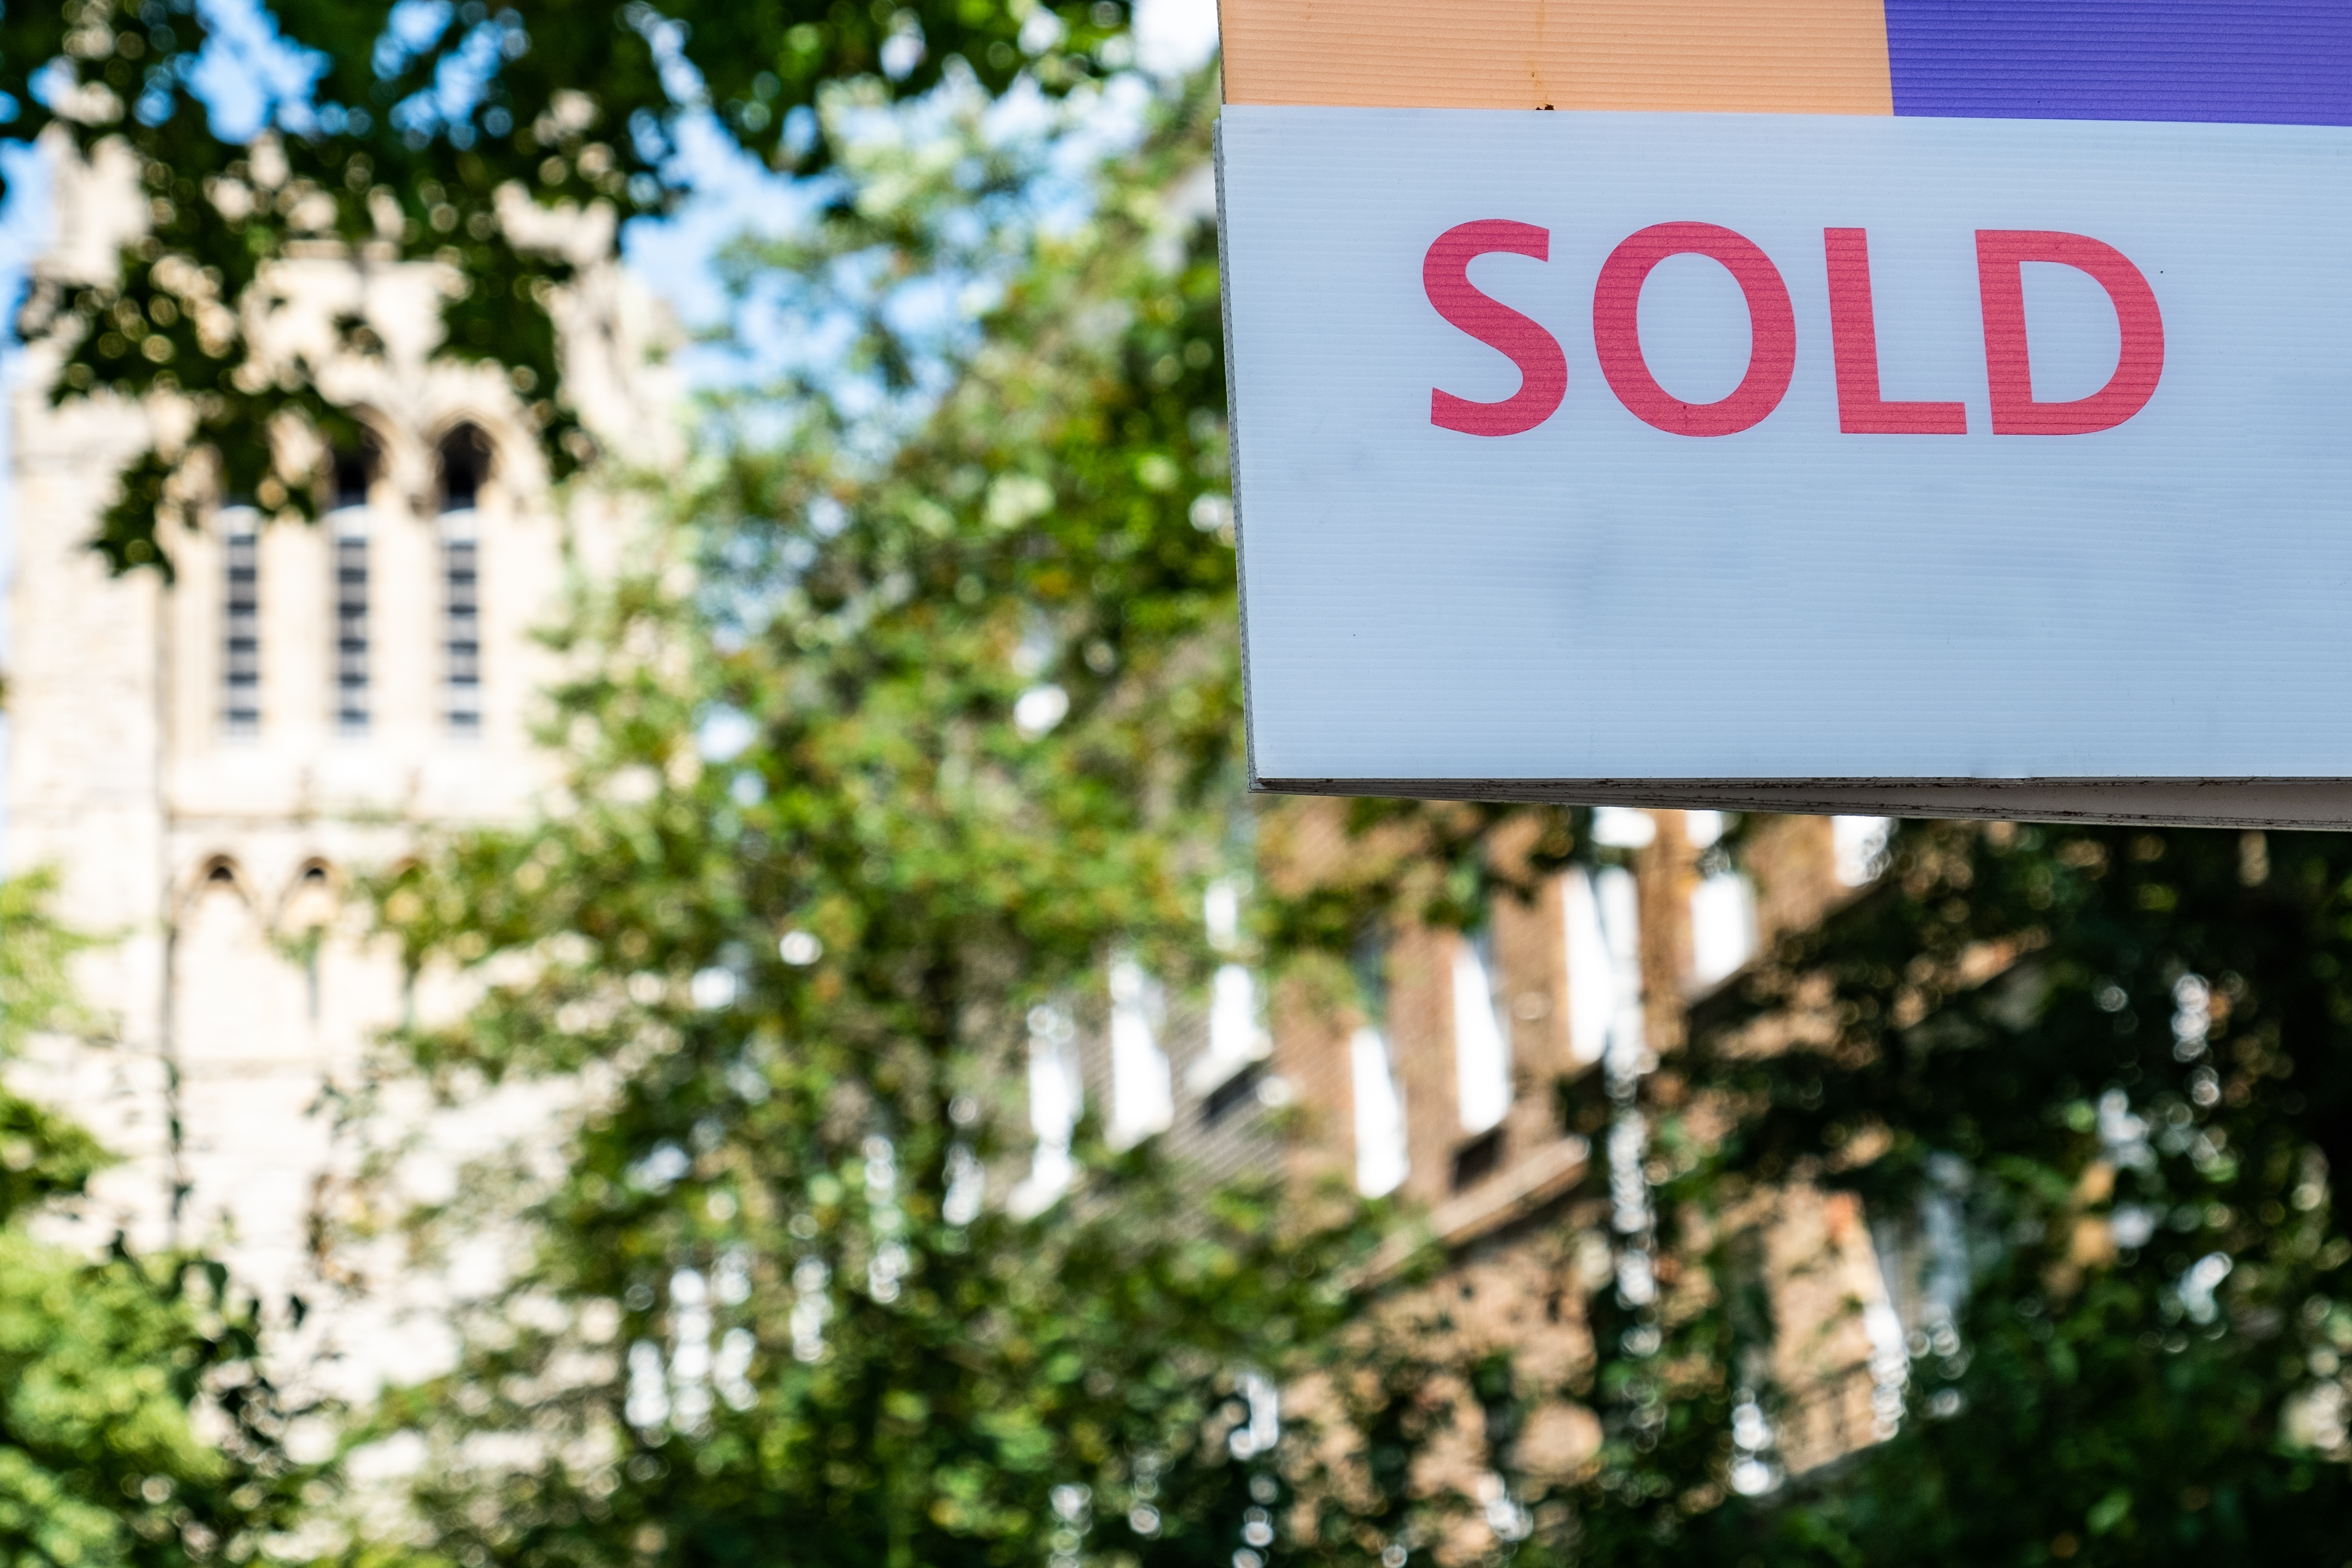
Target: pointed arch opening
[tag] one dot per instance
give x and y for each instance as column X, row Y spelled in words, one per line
column 216, row 877
column 306, row 916
column 228, row 977
column 465, row 462
column 352, row 472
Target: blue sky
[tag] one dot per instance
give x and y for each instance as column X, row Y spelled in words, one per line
column 735, row 193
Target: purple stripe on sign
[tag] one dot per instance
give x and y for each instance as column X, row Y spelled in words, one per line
column 2260, row 61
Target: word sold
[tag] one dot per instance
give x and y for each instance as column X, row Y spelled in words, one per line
column 2001, row 254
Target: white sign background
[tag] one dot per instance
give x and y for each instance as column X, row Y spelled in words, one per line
column 1597, row 599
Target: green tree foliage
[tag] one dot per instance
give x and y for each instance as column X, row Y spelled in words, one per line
column 932, row 706
column 44, row 1155
column 415, row 123
column 103, row 1363
column 862, row 804
column 2092, row 1084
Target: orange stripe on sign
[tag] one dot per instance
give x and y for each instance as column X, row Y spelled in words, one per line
column 1756, row 57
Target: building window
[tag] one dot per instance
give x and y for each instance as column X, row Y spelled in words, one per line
column 1482, row 1040
column 1603, row 921
column 1623, row 828
column 349, row 524
column 1057, row 1097
column 1236, row 1033
column 1859, row 844
column 1142, row 1099
column 1229, row 1073
column 1382, row 1159
column 310, row 911
column 1382, row 1154
column 462, row 620
column 1479, row 1158
column 1224, row 1074
column 1722, row 906
column 465, row 466
column 241, row 621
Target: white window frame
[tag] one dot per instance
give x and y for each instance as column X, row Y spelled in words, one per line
column 1723, row 923
column 352, row 701
column 1602, row 924
column 1483, row 1089
column 240, row 633
column 461, row 622
column 1238, row 1037
column 1142, row 1090
column 1383, row 1147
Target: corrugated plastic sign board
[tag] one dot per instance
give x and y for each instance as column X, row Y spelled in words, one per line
column 1978, row 447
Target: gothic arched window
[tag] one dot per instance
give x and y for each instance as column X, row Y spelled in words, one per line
column 228, row 977
column 355, row 470
column 465, row 469
column 309, row 910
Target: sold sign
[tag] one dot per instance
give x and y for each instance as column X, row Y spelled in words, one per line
column 1772, row 323
column 1727, row 510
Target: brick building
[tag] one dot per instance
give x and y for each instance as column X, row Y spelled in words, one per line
column 1479, row 1078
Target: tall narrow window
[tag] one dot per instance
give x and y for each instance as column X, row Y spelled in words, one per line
column 240, row 621
column 1238, row 1042
column 1604, row 963
column 309, row 909
column 1382, row 1154
column 465, row 464
column 1723, row 905
column 1142, row 1097
column 1056, row 1099
column 1482, row 1041
column 1604, row 953
column 349, row 523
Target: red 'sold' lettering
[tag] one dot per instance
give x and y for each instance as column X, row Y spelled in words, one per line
column 1853, row 342
column 1543, row 369
column 1617, row 330
column 2001, row 254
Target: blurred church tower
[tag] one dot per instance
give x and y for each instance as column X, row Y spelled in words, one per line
column 206, row 762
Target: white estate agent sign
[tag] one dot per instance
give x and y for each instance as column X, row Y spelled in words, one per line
column 1916, row 463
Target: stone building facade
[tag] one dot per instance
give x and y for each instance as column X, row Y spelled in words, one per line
column 206, row 759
